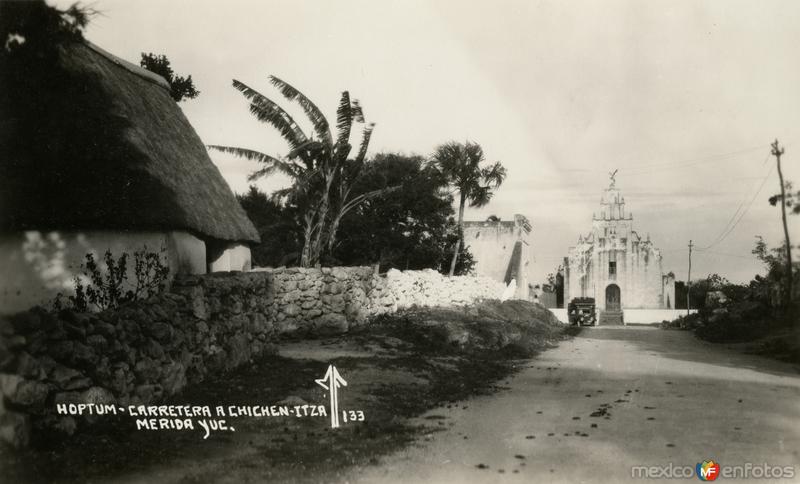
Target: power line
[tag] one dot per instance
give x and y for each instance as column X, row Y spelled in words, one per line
column 710, row 157
column 727, row 225
column 736, row 217
column 644, row 170
column 730, row 230
column 669, row 165
column 725, row 254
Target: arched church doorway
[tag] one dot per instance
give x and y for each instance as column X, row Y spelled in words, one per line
column 613, row 299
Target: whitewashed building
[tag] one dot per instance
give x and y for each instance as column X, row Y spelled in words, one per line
column 616, row 266
column 98, row 156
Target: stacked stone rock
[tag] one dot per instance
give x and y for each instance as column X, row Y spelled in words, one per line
column 149, row 350
column 430, row 288
column 320, row 301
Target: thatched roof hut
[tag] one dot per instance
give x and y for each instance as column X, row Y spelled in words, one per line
column 92, row 142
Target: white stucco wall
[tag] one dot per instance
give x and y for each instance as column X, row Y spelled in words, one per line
column 649, row 316
column 669, row 291
column 240, row 258
column 561, row 314
column 636, row 316
column 35, row 266
column 235, row 257
column 492, row 246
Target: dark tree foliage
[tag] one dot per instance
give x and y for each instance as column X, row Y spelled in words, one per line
column 410, row 228
column 555, row 281
column 41, row 148
column 279, row 227
column 747, row 311
column 765, row 290
column 180, row 87
column 792, row 198
column 36, row 28
column 700, row 288
column 465, row 264
column 772, row 286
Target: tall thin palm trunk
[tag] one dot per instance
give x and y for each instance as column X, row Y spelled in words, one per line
column 460, row 234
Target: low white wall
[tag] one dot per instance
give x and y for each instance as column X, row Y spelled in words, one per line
column 560, row 313
column 647, row 316
column 240, row 257
column 35, row 266
column 234, row 257
column 635, row 316
column 187, row 253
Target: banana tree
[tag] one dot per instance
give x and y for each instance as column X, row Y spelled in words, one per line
column 315, row 163
column 343, row 198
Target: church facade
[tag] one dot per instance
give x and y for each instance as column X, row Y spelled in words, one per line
column 617, row 267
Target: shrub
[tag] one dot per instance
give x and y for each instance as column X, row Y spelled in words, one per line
column 739, row 321
column 108, row 290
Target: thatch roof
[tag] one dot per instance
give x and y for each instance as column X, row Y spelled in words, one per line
column 89, row 142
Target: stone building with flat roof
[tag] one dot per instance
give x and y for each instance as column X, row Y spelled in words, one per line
column 502, row 251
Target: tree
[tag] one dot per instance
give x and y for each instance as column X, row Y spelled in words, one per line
column 180, row 87
column 698, row 289
column 31, row 36
column 37, row 27
column 461, row 166
column 350, row 195
column 552, row 278
column 319, row 166
column 777, row 276
column 465, row 264
column 410, row 228
column 792, row 199
column 278, row 226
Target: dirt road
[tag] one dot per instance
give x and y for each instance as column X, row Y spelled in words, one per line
column 658, row 397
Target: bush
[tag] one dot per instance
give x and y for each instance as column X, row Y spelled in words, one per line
column 736, row 312
column 737, row 322
column 689, row 322
column 731, row 321
column 515, row 328
column 107, row 291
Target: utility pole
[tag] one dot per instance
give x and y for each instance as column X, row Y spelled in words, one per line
column 777, row 151
column 689, row 281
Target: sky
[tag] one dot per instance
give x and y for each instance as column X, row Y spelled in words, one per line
column 683, row 98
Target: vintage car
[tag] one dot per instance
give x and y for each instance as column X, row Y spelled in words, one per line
column 582, row 311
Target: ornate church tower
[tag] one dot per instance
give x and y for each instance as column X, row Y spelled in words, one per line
column 615, row 266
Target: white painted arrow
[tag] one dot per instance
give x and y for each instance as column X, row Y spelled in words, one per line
column 331, row 382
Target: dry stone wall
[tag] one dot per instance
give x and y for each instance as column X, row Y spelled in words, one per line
column 149, row 350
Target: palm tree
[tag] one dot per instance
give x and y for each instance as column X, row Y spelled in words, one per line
column 315, row 163
column 461, row 166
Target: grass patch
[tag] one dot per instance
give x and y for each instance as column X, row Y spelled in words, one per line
column 407, row 363
column 750, row 326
